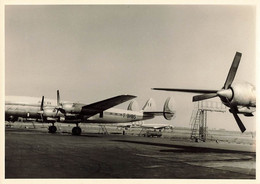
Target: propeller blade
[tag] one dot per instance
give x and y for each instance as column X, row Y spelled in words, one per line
column 233, row 70
column 204, row 97
column 58, row 98
column 239, row 122
column 59, row 105
column 42, row 103
column 186, row 90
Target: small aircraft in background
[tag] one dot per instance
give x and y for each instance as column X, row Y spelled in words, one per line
column 239, row 97
column 152, row 129
column 98, row 112
column 157, row 126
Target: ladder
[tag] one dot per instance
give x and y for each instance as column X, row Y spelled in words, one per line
column 198, row 119
column 195, row 122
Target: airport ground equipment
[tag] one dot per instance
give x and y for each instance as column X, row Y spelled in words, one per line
column 198, row 119
column 150, row 133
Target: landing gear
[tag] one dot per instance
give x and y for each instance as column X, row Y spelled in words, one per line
column 76, row 130
column 52, row 129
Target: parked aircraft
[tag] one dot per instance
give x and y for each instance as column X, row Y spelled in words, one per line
column 157, row 126
column 239, row 97
column 143, row 125
column 98, row 112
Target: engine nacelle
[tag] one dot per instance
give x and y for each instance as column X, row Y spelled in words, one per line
column 243, row 94
column 247, row 111
column 72, row 107
column 50, row 112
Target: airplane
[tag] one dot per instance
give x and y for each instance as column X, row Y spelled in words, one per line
column 157, row 126
column 98, row 112
column 239, row 97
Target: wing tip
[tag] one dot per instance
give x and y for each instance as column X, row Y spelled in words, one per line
column 130, row 96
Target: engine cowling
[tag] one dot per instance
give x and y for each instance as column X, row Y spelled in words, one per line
column 73, row 108
column 243, row 94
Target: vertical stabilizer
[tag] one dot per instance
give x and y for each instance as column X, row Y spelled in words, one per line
column 149, row 105
column 133, row 106
column 169, row 109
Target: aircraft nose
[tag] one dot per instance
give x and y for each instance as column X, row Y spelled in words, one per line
column 225, row 93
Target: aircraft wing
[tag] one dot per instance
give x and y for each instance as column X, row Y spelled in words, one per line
column 99, row 107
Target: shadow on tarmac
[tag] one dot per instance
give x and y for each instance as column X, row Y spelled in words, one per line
column 184, row 148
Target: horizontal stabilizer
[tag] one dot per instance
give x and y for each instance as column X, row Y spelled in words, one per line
column 158, row 113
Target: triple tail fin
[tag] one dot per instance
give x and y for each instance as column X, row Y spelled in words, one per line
column 169, row 109
column 133, row 106
column 149, row 105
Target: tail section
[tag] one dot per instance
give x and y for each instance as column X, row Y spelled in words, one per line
column 133, row 106
column 169, row 110
column 149, row 105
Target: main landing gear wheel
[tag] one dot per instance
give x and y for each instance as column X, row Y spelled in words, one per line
column 76, row 131
column 52, row 129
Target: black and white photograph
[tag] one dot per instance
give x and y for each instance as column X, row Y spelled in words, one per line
column 130, row 91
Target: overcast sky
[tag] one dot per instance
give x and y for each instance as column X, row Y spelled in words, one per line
column 93, row 52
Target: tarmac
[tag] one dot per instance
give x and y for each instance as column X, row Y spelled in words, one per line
column 34, row 153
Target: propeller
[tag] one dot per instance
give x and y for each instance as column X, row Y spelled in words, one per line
column 47, row 111
column 225, row 94
column 59, row 104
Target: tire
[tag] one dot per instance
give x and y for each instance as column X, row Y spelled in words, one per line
column 76, row 131
column 52, row 129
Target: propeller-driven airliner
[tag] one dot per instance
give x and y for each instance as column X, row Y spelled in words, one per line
column 70, row 112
